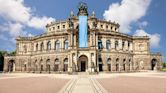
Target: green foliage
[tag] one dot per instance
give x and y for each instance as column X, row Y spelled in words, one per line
column 2, row 53
column 164, row 64
column 164, row 69
column 13, row 53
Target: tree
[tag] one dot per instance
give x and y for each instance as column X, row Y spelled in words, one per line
column 164, row 64
column 13, row 53
column 2, row 54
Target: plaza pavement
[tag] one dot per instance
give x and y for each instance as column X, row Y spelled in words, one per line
column 142, row 82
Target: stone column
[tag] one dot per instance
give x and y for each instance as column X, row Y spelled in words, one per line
column 62, row 43
column 112, row 43
column 45, row 44
column 120, row 44
column 52, row 44
column 75, row 43
column 104, row 43
column 5, row 68
column 131, row 46
column 126, row 45
column 71, row 39
column 70, row 63
column 105, row 66
column 96, row 41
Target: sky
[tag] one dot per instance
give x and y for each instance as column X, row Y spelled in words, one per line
column 136, row 17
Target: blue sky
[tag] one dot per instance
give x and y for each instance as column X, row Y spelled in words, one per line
column 30, row 16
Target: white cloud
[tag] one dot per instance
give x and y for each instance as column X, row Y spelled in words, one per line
column 18, row 16
column 154, row 38
column 14, row 10
column 40, row 22
column 127, row 12
column 14, row 29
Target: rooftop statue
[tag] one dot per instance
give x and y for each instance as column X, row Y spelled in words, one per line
column 82, row 9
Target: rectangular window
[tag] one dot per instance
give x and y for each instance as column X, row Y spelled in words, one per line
column 101, row 26
column 58, row 27
column 106, row 26
column 63, row 26
column 66, row 45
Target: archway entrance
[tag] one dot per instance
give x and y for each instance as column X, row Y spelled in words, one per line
column 83, row 66
column 83, row 63
column 65, row 68
column 153, row 64
column 11, row 66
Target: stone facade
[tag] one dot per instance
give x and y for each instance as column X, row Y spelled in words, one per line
column 57, row 51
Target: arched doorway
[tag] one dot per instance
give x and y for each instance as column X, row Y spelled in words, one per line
column 65, row 68
column 130, row 65
column 11, row 66
column 117, row 64
column 153, row 64
column 83, row 63
column 41, row 66
column 100, row 64
column 25, row 66
column 124, row 64
column 109, row 64
column 48, row 65
column 35, row 66
column 56, row 65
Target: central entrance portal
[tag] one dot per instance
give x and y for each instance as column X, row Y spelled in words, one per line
column 83, row 66
column 83, row 63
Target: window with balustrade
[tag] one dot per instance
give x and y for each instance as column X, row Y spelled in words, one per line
column 108, row 44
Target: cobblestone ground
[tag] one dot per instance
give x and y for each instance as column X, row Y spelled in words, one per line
column 144, row 82
column 135, row 83
column 17, row 83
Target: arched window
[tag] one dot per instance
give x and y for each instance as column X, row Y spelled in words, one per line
column 108, row 44
column 65, row 44
column 36, row 47
column 57, row 45
column 109, row 61
column 41, row 46
column 49, row 45
column 116, row 45
column 99, row 44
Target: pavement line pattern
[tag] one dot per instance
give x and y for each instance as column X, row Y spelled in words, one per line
column 83, row 84
column 98, row 87
column 68, row 87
